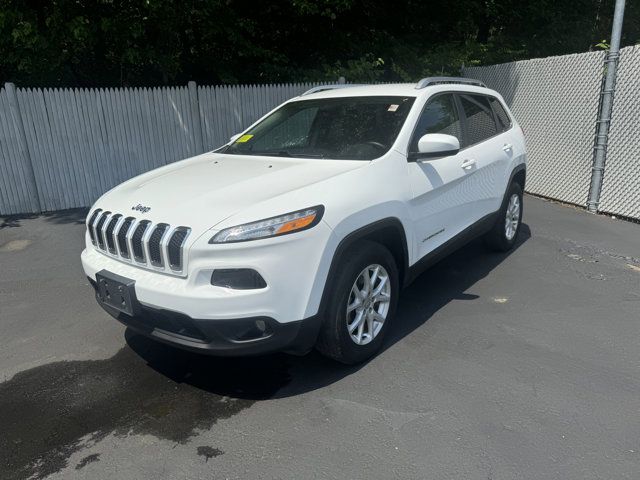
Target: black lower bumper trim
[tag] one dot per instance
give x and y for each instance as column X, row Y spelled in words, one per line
column 229, row 337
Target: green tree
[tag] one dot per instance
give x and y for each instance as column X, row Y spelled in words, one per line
column 156, row 42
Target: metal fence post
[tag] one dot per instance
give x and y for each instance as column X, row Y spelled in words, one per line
column 196, row 118
column 606, row 106
column 24, row 146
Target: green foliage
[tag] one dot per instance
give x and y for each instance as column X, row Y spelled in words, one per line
column 156, row 42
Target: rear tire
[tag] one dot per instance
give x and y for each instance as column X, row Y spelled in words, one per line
column 504, row 233
column 358, row 313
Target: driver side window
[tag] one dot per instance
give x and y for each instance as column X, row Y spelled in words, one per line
column 439, row 116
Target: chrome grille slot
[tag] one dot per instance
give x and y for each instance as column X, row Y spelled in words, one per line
column 91, row 223
column 174, row 248
column 154, row 246
column 155, row 250
column 136, row 241
column 110, row 240
column 99, row 229
column 123, row 245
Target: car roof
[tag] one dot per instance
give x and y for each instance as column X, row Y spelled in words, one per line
column 391, row 89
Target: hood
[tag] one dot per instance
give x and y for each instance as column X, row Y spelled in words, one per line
column 202, row 191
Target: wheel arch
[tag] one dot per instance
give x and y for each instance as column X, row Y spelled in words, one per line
column 518, row 175
column 388, row 232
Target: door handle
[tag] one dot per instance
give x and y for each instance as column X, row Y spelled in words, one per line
column 507, row 146
column 467, row 164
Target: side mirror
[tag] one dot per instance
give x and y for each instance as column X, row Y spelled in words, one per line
column 234, row 137
column 434, row 145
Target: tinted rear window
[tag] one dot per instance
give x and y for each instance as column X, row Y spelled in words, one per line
column 503, row 116
column 480, row 120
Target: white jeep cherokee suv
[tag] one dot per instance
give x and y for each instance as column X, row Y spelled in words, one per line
column 301, row 231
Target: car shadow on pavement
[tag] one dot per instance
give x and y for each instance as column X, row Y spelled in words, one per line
column 281, row 375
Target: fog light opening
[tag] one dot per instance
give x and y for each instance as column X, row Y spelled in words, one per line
column 253, row 330
column 238, row 279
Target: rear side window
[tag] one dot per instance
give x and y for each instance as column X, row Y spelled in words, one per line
column 439, row 116
column 481, row 123
column 501, row 113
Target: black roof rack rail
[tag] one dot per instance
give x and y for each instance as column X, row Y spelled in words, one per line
column 428, row 81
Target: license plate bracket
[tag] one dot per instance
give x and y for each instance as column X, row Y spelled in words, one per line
column 117, row 292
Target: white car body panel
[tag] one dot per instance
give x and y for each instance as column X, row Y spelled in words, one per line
column 443, row 200
column 204, row 190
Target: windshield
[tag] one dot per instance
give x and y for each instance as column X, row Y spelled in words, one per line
column 349, row 128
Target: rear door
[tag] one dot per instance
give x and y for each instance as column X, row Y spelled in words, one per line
column 486, row 144
column 443, row 199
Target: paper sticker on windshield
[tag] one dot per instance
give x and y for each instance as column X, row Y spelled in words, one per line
column 244, row 138
column 392, row 108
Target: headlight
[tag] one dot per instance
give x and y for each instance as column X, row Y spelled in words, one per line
column 271, row 227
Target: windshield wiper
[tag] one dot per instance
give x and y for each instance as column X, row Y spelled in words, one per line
column 307, row 155
column 267, row 153
column 287, row 153
column 275, row 153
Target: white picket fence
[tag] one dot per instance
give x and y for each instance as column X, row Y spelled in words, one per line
column 63, row 148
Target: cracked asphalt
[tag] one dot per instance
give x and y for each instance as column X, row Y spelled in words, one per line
column 519, row 366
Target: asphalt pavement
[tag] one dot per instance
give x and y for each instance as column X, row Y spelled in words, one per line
column 517, row 366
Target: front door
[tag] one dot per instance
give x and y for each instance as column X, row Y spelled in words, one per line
column 443, row 198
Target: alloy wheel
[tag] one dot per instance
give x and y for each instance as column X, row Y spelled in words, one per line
column 512, row 218
column 368, row 304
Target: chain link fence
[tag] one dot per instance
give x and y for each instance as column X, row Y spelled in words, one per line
column 556, row 102
column 621, row 185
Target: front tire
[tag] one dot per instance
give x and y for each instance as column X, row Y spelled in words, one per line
column 503, row 235
column 363, row 302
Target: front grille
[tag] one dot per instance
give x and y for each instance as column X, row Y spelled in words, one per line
column 155, row 246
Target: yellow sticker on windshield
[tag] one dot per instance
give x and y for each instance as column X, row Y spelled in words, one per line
column 244, row 138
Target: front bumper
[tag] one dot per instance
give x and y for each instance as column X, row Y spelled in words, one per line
column 293, row 266
column 228, row 337
column 189, row 312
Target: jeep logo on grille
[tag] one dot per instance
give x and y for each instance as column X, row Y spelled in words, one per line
column 141, row 208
